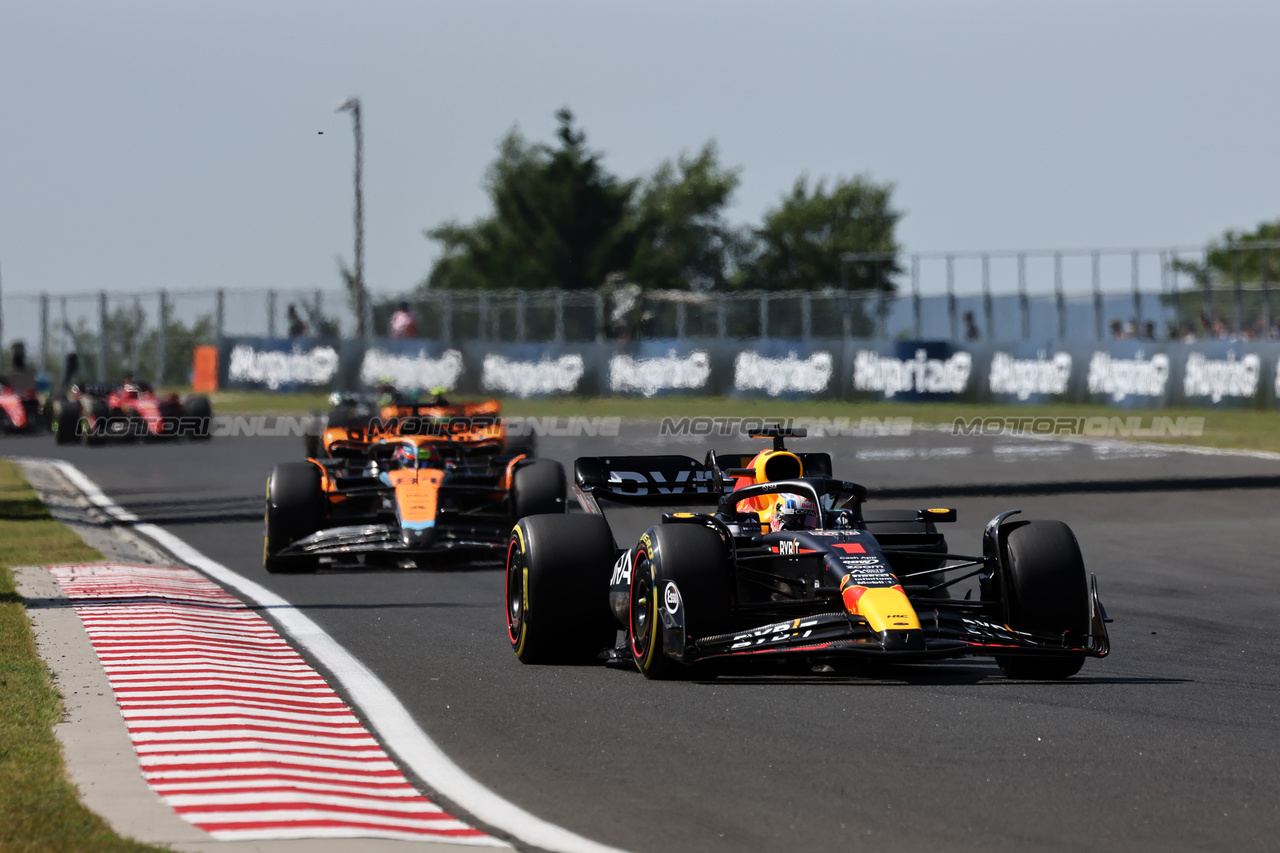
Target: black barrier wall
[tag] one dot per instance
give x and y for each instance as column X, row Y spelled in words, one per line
column 1126, row 374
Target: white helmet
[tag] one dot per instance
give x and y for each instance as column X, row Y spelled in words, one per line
column 794, row 512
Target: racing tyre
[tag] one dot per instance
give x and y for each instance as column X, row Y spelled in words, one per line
column 313, row 439
column 1048, row 592
column 66, row 415
column 93, row 411
column 698, row 562
column 557, row 574
column 293, row 513
column 526, row 444
column 537, row 488
column 197, row 406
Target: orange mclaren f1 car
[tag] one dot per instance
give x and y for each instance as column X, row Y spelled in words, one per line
column 420, row 487
column 789, row 566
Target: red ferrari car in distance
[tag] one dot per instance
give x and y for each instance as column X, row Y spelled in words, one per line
column 19, row 410
column 96, row 413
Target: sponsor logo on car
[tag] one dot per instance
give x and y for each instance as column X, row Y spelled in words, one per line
column 671, row 598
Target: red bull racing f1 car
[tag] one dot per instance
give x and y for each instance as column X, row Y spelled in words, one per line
column 788, row 564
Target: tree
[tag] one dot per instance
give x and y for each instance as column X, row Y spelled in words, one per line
column 559, row 220
column 800, row 244
column 683, row 240
column 1250, row 257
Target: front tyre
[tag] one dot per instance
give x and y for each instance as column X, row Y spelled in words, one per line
column 697, row 561
column 1048, row 593
column 557, row 588
column 294, row 504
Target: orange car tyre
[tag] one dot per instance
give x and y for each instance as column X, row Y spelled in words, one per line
column 695, row 559
column 293, row 513
column 557, row 584
column 1048, row 593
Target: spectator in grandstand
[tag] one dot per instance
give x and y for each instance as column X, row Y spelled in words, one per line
column 1117, row 330
column 971, row 331
column 297, row 326
column 403, row 324
column 1148, row 331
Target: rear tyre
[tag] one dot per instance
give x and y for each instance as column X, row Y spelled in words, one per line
column 698, row 562
column 526, row 444
column 65, row 418
column 1048, row 593
column 293, row 513
column 93, row 416
column 197, row 406
column 557, row 574
column 538, row 488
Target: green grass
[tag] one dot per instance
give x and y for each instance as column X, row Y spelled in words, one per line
column 39, row 807
column 1245, row 429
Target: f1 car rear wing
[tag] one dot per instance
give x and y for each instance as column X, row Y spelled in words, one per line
column 647, row 481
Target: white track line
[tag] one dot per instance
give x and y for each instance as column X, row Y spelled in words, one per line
column 388, row 717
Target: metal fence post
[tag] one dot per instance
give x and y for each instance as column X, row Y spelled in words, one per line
column 1266, row 293
column 1207, row 293
column 915, row 297
column 1023, row 302
column 722, row 318
column 1097, row 295
column 951, row 298
column 522, row 301
column 599, row 306
column 446, row 317
column 764, row 315
column 806, row 316
column 1057, row 292
column 682, row 318
column 102, row 336
column 1239, row 292
column 271, row 313
column 559, row 333
column 44, row 332
column 1137, row 294
column 220, row 316
column 162, row 338
column 988, row 307
column 482, row 318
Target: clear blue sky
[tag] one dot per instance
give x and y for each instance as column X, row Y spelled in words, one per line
column 190, row 145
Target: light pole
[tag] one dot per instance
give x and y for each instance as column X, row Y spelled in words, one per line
column 352, row 105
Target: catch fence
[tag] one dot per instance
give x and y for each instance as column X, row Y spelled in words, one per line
column 1091, row 295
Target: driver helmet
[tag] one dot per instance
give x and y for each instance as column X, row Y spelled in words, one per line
column 794, row 512
column 422, row 456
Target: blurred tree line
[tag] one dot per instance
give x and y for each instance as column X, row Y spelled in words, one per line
column 560, row 219
column 1250, row 258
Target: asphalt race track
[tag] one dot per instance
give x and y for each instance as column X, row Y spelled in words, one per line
column 1169, row 743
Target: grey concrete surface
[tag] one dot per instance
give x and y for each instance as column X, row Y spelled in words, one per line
column 1167, row 743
